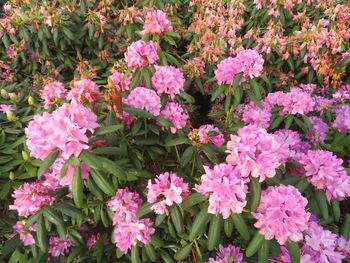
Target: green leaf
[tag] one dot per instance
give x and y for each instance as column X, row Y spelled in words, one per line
column 228, row 227
column 164, row 122
column 41, row 234
column 255, row 87
column 135, row 257
column 294, row 251
column 236, row 81
column 263, row 253
column 209, row 151
column 90, row 160
column 302, row 185
column 177, row 141
column 54, row 218
column 241, row 226
column 176, row 218
column 103, row 182
column 322, row 203
column 199, row 223
column 151, row 254
column 289, row 122
column 345, row 231
column 69, row 210
column 109, row 129
column 215, row 228
column 46, row 164
column 144, row 209
column 183, row 252
column 138, row 112
column 218, row 92
column 307, row 122
column 253, row 97
column 193, row 199
column 187, row 156
column 254, row 244
column 227, row 102
column 78, row 187
column 255, row 189
column 276, row 122
column 336, row 210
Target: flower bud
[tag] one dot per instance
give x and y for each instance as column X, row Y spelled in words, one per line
column 31, row 101
column 12, row 175
column 4, row 94
column 25, row 156
column 10, row 116
column 13, row 97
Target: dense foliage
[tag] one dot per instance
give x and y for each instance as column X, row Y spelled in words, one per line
column 175, row 131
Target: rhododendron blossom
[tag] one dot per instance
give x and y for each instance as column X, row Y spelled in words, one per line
column 53, row 92
column 145, row 99
column 64, row 129
column 141, row 53
column 325, row 171
column 210, row 134
column 342, row 121
column 30, row 197
column 227, row 70
column 120, row 81
column 255, row 152
column 176, row 114
column 156, row 23
column 168, row 80
column 251, row 63
column 282, row 214
column 84, row 90
column 226, row 189
column 59, row 246
column 319, row 130
column 227, row 255
column 257, row 116
column 25, row 236
column 168, row 189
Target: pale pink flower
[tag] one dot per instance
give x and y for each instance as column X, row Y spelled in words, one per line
column 176, row 114
column 251, row 63
column 156, row 23
column 141, row 53
column 257, row 116
column 319, row 130
column 167, row 190
column 226, row 188
column 227, row 70
column 120, row 81
column 53, row 92
column 25, row 236
column 228, row 254
column 30, row 197
column 168, row 80
column 59, row 246
column 210, row 134
column 282, row 214
column 84, row 90
column 4, row 108
column 342, row 118
column 145, row 99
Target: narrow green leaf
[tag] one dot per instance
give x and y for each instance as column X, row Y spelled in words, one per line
column 46, row 164
column 41, row 234
column 228, row 227
column 215, row 228
column 199, row 223
column 109, row 129
column 218, row 92
column 241, row 226
column 135, row 257
column 176, row 218
column 103, row 182
column 255, row 189
column 294, row 251
column 177, row 141
column 322, row 203
column 151, row 254
column 78, row 187
column 345, row 231
column 193, row 199
column 263, row 253
column 54, row 218
column 254, row 244
column 183, row 252
column 336, row 210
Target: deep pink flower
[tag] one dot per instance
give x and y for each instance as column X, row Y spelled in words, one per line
column 325, row 171
column 257, row 116
column 342, row 121
column 25, row 236
column 210, row 134
column 226, row 189
column 91, row 242
column 282, row 214
column 227, row 255
column 227, row 70
column 168, row 80
column 53, row 92
column 141, row 53
column 145, row 99
column 176, row 114
column 319, row 130
column 167, row 190
column 30, row 197
column 156, row 23
column 59, row 246
column 84, row 90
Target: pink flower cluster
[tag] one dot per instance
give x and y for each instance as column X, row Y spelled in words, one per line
column 168, row 80
column 210, row 134
column 227, row 255
column 319, row 130
column 64, row 129
column 156, row 23
column 325, row 171
column 30, row 197
column 141, row 53
column 93, row 239
column 25, row 236
column 59, row 246
column 168, row 189
column 84, row 90
column 255, row 152
column 120, row 81
column 176, row 114
column 226, row 188
column 248, row 61
column 257, row 116
column 129, row 229
column 282, row 214
column 53, row 92
column 294, row 102
column 145, row 99
column 342, row 120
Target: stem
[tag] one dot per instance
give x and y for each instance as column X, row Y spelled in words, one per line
column 177, row 154
column 193, row 163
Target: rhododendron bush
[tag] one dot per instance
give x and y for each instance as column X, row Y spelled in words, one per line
column 175, row 131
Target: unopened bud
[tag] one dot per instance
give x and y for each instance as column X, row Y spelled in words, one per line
column 13, row 97
column 31, row 101
column 4, row 94
column 25, row 156
column 10, row 116
column 12, row 175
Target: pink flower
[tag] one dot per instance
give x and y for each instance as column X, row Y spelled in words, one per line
column 64, row 129
column 120, row 81
column 126, row 234
column 226, row 189
column 254, row 115
column 145, row 99
column 227, row 70
column 141, row 53
column 227, row 255
column 59, row 246
column 167, row 190
column 251, row 63
column 176, row 114
column 282, row 214
column 325, row 171
column 210, row 134
column 91, row 242
column 4, row 108
column 25, row 236
column 342, row 121
column 156, row 23
column 30, row 197
column 53, row 92
column 319, row 130
column 256, row 152
column 168, row 80
column 124, row 205
column 84, row 90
